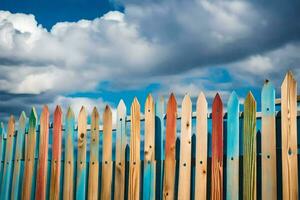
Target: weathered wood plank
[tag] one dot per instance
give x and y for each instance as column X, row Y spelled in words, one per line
column 249, row 149
column 106, row 181
column 41, row 178
column 159, row 145
column 134, row 160
column 149, row 150
column 17, row 178
column 232, row 186
column 94, row 157
column 217, row 149
column 184, row 181
column 7, row 170
column 69, row 162
column 28, row 179
column 201, row 148
column 169, row 168
column 268, row 143
column 120, row 152
column 289, row 137
column 81, row 155
column 56, row 154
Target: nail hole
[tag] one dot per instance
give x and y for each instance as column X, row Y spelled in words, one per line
column 105, row 162
column 201, row 162
column 184, row 164
column 268, row 109
column 189, row 142
column 94, row 140
column 187, row 124
column 93, row 163
column 120, row 119
column 290, row 151
column 119, row 163
column 268, row 156
column 148, row 110
column 81, row 162
column 150, row 146
column 231, row 158
column 133, row 163
column 69, row 162
column 148, row 161
column 167, row 194
column 82, row 135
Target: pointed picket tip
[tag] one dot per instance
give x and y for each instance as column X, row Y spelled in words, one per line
column 186, row 99
column 135, row 102
column 82, row 111
column 22, row 117
column 288, row 79
column 107, row 109
column 95, row 112
column 249, row 97
column 233, row 99
column 172, row 100
column 45, row 111
column 58, row 110
column 201, row 98
column 149, row 97
column 33, row 117
column 217, row 100
column 121, row 108
column 70, row 113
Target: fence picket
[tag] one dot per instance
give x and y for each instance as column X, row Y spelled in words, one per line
column 149, row 150
column 17, row 174
column 41, row 178
column 2, row 145
column 56, row 154
column 7, row 169
column 120, row 152
column 268, row 143
column 169, row 172
column 30, row 146
column 217, row 149
column 201, row 148
column 159, row 145
column 94, row 157
column 81, row 155
column 69, row 162
column 134, row 159
column 289, row 137
column 106, row 181
column 184, row 181
column 232, row 172
column 249, row 148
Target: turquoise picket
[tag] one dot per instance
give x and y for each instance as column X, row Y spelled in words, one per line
column 159, row 145
column 20, row 140
column 7, row 169
column 232, row 186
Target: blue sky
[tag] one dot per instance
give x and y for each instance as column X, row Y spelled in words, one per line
column 97, row 52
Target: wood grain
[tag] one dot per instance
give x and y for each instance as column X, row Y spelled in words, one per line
column 81, row 155
column 268, row 143
column 28, row 178
column 249, row 148
column 201, row 148
column 184, row 181
column 41, row 178
column 120, row 152
column 106, row 181
column 134, row 159
column 7, row 170
column 17, row 178
column 149, row 150
column 169, row 168
column 289, row 137
column 232, row 161
column 217, row 149
column 69, row 162
column 56, row 154
column 94, row 157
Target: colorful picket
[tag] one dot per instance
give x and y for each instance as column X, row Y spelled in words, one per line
column 173, row 154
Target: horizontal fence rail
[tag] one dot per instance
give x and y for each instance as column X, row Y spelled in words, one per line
column 160, row 154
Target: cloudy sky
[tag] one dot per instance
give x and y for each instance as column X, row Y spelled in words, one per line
column 95, row 52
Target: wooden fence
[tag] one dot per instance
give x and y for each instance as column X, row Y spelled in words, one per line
column 161, row 154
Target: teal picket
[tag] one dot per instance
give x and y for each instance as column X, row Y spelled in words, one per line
column 232, row 183
column 19, row 155
column 2, row 145
column 7, row 170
